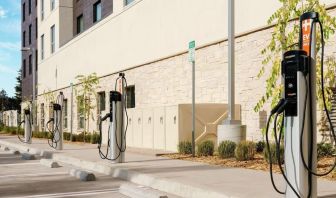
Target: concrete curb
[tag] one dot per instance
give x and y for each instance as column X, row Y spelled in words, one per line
column 21, row 148
column 49, row 163
column 82, row 175
column 134, row 191
column 165, row 185
column 27, row 156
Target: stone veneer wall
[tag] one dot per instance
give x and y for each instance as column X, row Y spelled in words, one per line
column 168, row 82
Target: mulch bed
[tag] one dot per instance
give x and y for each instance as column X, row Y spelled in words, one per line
column 258, row 163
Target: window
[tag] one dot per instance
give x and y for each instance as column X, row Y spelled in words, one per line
column 130, row 96
column 30, row 34
column 24, row 68
column 30, row 64
column 97, row 11
column 29, row 6
column 36, row 59
column 42, row 9
column 52, row 39
column 127, row 2
column 65, row 113
column 24, row 12
column 36, row 30
column 80, row 24
column 42, row 116
column 24, row 39
column 101, row 102
column 42, row 47
column 52, row 4
column 80, row 112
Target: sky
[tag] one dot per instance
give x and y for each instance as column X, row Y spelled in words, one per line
column 10, row 39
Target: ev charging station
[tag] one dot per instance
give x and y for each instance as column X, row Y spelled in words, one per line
column 27, row 127
column 299, row 109
column 56, row 139
column 116, row 143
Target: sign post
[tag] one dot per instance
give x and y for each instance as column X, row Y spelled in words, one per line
column 192, row 46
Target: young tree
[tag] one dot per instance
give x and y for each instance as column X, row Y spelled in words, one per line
column 18, row 87
column 285, row 37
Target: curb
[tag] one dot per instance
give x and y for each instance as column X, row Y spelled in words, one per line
column 165, row 185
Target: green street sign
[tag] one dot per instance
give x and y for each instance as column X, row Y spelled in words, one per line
column 192, row 46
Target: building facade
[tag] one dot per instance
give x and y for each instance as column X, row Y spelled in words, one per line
column 148, row 41
column 29, row 32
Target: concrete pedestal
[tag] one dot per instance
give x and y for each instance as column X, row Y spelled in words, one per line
column 233, row 132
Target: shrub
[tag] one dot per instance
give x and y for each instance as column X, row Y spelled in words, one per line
column 205, row 148
column 325, row 149
column 226, row 149
column 273, row 152
column 260, row 146
column 245, row 150
column 185, row 147
column 95, row 138
column 66, row 136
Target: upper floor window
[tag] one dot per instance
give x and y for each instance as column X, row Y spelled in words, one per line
column 23, row 11
column 127, row 2
column 30, row 65
column 80, row 24
column 52, row 39
column 52, row 4
column 24, row 68
column 42, row 9
column 97, row 11
column 42, row 47
column 29, row 6
column 36, row 28
column 30, row 34
column 65, row 113
column 24, row 39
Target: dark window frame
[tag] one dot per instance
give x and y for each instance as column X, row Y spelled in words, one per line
column 102, row 101
column 130, row 97
column 24, row 39
column 95, row 11
column 30, row 64
column 29, row 7
column 52, row 39
column 79, row 22
column 24, row 69
column 23, row 12
column 30, row 34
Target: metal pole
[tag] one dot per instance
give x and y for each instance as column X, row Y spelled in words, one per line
column 71, row 112
column 34, row 91
column 231, row 61
column 193, row 109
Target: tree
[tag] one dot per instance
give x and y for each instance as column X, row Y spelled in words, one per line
column 18, row 87
column 286, row 36
column 3, row 100
column 86, row 95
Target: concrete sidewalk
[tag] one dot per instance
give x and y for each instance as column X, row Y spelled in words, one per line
column 182, row 178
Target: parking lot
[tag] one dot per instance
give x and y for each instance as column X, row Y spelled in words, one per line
column 28, row 178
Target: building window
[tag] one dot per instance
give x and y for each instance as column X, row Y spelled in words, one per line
column 80, row 112
column 65, row 113
column 130, row 96
column 101, row 102
column 29, row 6
column 42, row 116
column 127, row 2
column 36, row 59
column 42, row 9
column 30, row 64
column 80, row 24
column 97, row 11
column 24, row 68
column 36, row 3
column 30, row 34
column 42, row 47
column 36, row 28
column 52, row 4
column 24, row 39
column 24, row 12
column 52, row 39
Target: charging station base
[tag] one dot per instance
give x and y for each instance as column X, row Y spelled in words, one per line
column 233, row 132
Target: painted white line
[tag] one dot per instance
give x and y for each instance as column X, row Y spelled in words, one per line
column 10, row 157
column 73, row 194
column 20, row 164
column 35, row 174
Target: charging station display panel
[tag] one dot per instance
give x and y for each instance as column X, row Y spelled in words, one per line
column 291, row 88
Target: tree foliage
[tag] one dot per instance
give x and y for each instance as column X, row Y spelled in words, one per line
column 285, row 37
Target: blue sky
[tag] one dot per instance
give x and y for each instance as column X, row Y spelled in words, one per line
column 10, row 39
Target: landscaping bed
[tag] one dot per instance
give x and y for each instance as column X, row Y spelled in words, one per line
column 258, row 163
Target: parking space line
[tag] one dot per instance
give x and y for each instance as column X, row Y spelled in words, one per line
column 35, row 174
column 20, row 164
column 73, row 194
